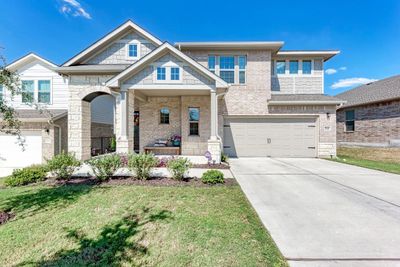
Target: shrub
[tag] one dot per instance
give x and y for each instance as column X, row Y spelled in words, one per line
column 212, row 177
column 63, row 165
column 141, row 164
column 224, row 157
column 105, row 166
column 178, row 167
column 26, row 175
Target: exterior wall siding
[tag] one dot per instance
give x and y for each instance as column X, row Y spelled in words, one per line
column 116, row 53
column 298, row 83
column 375, row 124
column 189, row 75
column 250, row 98
column 327, row 124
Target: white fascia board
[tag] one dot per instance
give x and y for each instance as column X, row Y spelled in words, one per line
column 109, row 36
column 27, row 59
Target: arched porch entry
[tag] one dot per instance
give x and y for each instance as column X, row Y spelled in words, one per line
column 80, row 120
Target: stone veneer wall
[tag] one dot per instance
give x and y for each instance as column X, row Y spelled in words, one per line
column 327, row 126
column 250, row 98
column 375, row 124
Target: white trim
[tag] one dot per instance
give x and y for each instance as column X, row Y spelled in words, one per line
column 167, row 87
column 28, row 57
column 328, row 102
column 114, row 82
column 36, row 80
column 275, row 45
column 325, row 54
column 105, row 39
column 132, row 42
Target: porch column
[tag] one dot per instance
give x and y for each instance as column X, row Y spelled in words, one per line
column 214, row 144
column 124, row 138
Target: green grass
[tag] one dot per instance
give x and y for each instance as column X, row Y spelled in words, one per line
column 133, row 225
column 384, row 158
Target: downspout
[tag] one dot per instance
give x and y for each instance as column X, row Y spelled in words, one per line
column 216, row 114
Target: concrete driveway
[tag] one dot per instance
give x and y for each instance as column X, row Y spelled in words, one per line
column 323, row 213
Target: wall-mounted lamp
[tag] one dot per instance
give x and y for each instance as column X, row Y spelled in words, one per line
column 328, row 115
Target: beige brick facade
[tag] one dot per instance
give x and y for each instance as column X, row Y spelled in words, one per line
column 375, row 124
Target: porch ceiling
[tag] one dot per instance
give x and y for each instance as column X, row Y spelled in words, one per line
column 172, row 92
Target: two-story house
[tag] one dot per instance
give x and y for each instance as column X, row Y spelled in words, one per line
column 241, row 98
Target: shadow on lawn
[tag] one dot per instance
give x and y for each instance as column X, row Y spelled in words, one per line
column 112, row 247
column 31, row 202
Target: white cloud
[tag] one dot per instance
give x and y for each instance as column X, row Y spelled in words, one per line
column 343, row 68
column 349, row 82
column 330, row 71
column 74, row 8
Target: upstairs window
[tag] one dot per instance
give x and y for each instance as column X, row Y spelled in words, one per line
column 227, row 68
column 280, row 67
column 44, row 91
column 242, row 69
column 350, row 125
column 211, row 63
column 1, row 92
column 175, row 74
column 293, row 66
column 161, row 71
column 194, row 118
column 164, row 116
column 133, row 50
column 28, row 91
column 306, row 66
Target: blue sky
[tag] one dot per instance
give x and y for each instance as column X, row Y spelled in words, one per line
column 366, row 32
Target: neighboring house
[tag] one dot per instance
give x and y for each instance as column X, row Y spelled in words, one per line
column 371, row 114
column 241, row 98
column 43, row 108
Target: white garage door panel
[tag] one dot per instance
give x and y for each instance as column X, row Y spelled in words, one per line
column 12, row 156
column 273, row 137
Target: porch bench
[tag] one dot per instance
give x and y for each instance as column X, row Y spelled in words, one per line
column 163, row 150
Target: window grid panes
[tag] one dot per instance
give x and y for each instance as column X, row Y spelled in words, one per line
column 306, row 66
column 28, row 90
column 350, row 125
column 293, row 66
column 132, row 50
column 175, row 74
column 194, row 118
column 161, row 74
column 227, row 68
column 211, row 63
column 164, row 116
column 242, row 69
column 280, row 67
column 44, row 91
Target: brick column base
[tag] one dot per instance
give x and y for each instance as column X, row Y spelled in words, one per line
column 214, row 147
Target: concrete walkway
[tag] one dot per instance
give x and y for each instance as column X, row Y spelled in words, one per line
column 323, row 213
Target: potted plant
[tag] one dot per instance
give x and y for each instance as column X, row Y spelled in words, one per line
column 176, row 140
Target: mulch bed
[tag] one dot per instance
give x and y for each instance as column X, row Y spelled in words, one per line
column 5, row 217
column 124, row 180
column 221, row 166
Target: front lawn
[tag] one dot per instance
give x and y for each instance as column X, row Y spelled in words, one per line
column 113, row 225
column 382, row 159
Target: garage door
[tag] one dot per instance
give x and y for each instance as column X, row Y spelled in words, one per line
column 271, row 137
column 12, row 156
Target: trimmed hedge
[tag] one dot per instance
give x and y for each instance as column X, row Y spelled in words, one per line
column 27, row 175
column 213, row 177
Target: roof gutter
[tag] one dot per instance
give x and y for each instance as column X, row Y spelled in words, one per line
column 280, row 103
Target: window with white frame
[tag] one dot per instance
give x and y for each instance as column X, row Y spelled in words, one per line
column 36, row 91
column 175, row 74
column 227, row 68
column 280, row 67
column 211, row 63
column 242, row 69
column 194, row 118
column 133, row 50
column 28, row 91
column 306, row 66
column 293, row 66
column 161, row 73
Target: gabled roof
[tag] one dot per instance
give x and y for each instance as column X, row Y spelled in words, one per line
column 382, row 90
column 28, row 59
column 127, row 26
column 115, row 81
